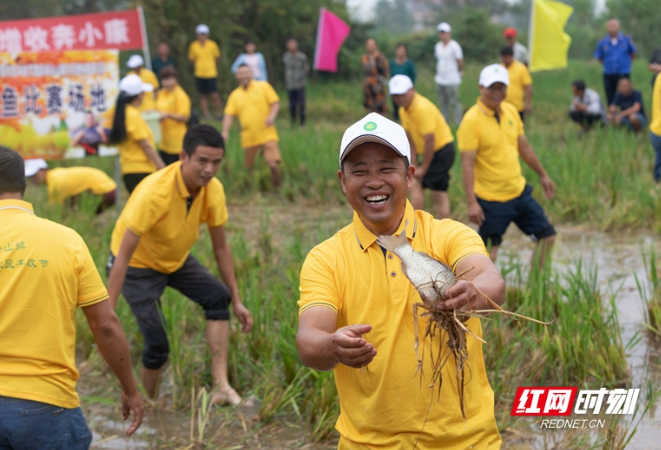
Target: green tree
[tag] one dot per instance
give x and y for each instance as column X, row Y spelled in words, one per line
column 393, row 16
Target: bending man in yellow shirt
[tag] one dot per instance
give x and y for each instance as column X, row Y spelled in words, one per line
column 63, row 183
column 46, row 273
column 150, row 249
column 430, row 138
column 256, row 105
column 351, row 308
column 491, row 139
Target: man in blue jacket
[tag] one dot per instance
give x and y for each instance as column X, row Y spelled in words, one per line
column 615, row 51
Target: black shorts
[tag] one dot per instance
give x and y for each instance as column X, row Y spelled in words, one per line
column 437, row 177
column 131, row 180
column 168, row 158
column 143, row 288
column 206, row 85
column 524, row 211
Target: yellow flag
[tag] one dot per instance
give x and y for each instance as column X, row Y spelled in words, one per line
column 548, row 41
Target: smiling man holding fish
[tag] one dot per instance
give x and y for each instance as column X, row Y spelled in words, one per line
column 356, row 308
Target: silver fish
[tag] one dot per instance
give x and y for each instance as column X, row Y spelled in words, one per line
column 430, row 277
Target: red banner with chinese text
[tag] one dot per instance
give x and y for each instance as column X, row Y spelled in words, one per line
column 118, row 30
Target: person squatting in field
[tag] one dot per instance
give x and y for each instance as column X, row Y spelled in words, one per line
column 356, row 308
column 150, row 249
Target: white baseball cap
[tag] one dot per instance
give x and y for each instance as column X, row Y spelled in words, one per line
column 133, row 85
column 135, row 61
column 202, row 29
column 399, row 84
column 375, row 128
column 444, row 27
column 495, row 73
column 32, row 166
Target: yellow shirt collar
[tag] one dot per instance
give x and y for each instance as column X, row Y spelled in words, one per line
column 366, row 238
column 181, row 186
column 19, row 205
column 485, row 109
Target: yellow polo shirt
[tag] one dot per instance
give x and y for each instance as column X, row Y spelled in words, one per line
column 519, row 79
column 157, row 212
column 252, row 106
column 68, row 182
column 132, row 158
column 421, row 118
column 655, row 124
column 147, row 76
column 173, row 131
column 204, row 58
column 497, row 169
column 384, row 407
column 46, row 272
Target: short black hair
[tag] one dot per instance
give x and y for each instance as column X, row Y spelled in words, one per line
column 401, row 44
column 579, row 85
column 243, row 65
column 202, row 135
column 12, row 172
column 506, row 51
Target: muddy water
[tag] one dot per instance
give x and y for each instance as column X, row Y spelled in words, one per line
column 617, row 256
column 619, row 260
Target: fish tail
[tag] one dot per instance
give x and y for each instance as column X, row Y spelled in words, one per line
column 390, row 243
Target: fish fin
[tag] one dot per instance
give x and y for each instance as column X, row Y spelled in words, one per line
column 390, row 243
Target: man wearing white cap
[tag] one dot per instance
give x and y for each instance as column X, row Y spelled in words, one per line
column 430, row 139
column 355, row 301
column 204, row 54
column 137, row 64
column 449, row 66
column 491, row 139
column 70, row 182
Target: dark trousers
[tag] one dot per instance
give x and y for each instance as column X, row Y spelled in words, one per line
column 297, row 99
column 587, row 120
column 610, row 85
column 168, row 158
column 131, row 180
column 26, row 424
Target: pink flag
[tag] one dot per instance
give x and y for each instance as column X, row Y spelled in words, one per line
column 331, row 33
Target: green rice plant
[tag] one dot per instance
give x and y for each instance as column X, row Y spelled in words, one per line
column 650, row 293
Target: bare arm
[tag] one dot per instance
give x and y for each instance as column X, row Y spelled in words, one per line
column 273, row 113
column 111, row 342
column 102, row 133
column 118, row 272
column 427, row 156
column 475, row 213
column 460, row 64
column 529, row 157
column 634, row 109
column 481, row 275
column 151, row 153
column 528, row 91
column 223, row 254
column 227, row 124
column 322, row 347
column 177, row 117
